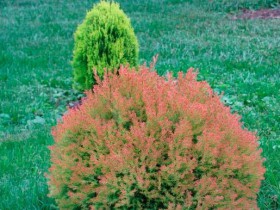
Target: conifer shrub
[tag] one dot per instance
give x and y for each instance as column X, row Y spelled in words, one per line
column 141, row 141
column 105, row 39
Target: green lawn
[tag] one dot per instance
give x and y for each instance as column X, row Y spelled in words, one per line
column 240, row 58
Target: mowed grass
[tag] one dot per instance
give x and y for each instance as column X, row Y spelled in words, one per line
column 239, row 58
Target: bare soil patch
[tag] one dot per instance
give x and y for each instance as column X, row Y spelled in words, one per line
column 260, row 14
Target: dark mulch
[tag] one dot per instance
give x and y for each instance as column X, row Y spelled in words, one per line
column 260, row 14
column 75, row 104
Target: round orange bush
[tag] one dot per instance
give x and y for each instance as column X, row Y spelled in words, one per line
column 140, row 141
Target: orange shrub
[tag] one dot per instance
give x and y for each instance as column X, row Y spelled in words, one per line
column 140, row 141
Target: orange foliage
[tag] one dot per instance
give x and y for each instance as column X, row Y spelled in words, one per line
column 143, row 141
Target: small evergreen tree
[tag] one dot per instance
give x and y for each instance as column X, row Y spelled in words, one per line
column 104, row 40
column 139, row 141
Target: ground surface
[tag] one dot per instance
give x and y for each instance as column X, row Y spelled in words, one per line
column 240, row 58
column 262, row 14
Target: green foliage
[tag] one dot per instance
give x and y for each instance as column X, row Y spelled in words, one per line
column 105, row 39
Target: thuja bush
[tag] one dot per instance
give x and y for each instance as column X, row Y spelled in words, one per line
column 140, row 141
column 105, row 39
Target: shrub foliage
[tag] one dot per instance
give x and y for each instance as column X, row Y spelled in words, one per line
column 105, row 39
column 139, row 141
